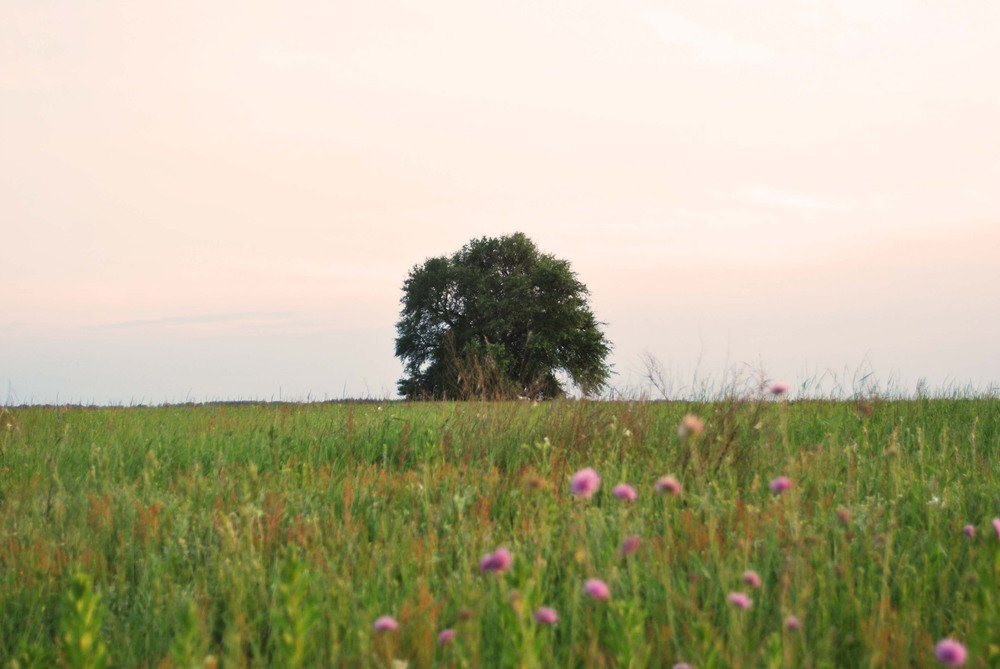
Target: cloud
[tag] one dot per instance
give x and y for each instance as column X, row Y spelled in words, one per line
column 711, row 46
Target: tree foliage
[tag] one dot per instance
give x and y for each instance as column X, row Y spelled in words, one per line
column 500, row 319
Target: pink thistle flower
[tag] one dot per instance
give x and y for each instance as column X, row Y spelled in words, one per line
column 446, row 637
column 585, row 482
column 793, row 623
column 740, row 599
column 668, row 485
column 779, row 388
column 631, row 544
column 751, row 578
column 844, row 515
column 682, row 665
column 625, row 491
column 597, row 589
column 780, row 485
column 950, row 652
column 969, row 531
column 497, row 561
column 385, row 624
column 546, row 616
column 996, row 526
column 689, row 425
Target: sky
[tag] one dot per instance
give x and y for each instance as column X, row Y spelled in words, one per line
column 221, row 200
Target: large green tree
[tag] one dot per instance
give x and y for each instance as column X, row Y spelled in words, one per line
column 497, row 319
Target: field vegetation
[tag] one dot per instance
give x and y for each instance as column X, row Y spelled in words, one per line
column 278, row 534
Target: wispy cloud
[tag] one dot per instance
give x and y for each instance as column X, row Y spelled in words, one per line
column 710, row 45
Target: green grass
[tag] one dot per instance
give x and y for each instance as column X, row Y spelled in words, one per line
column 276, row 534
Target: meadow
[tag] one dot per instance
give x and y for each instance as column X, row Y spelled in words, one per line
column 285, row 535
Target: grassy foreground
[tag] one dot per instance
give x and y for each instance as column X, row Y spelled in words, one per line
column 277, row 534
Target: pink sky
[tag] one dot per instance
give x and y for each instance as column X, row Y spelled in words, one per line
column 221, row 199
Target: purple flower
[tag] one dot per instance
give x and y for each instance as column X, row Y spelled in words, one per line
column 751, row 578
column 497, row 561
column 780, row 485
column 624, row 491
column 969, row 531
column 950, row 652
column 585, row 482
column 668, row 485
column 996, row 526
column 446, row 637
column 779, row 388
column 546, row 616
column 631, row 544
column 792, row 623
column 740, row 599
column 682, row 665
column 690, row 424
column 597, row 589
column 385, row 624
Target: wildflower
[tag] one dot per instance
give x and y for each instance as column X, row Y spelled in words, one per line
column 950, row 652
column 780, row 485
column 446, row 637
column 779, row 388
column 845, row 515
column 497, row 561
column 585, row 482
column 751, row 578
column 689, row 425
column 792, row 623
column 624, row 491
column 969, row 531
column 546, row 616
column 996, row 526
column 740, row 599
column 597, row 589
column 682, row 665
column 385, row 624
column 631, row 544
column 668, row 484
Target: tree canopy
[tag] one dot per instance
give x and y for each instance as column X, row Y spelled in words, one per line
column 497, row 318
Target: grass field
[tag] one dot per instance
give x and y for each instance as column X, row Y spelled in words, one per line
column 278, row 534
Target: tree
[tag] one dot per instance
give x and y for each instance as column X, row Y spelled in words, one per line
column 498, row 319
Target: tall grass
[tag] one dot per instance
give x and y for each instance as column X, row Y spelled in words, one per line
column 276, row 534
